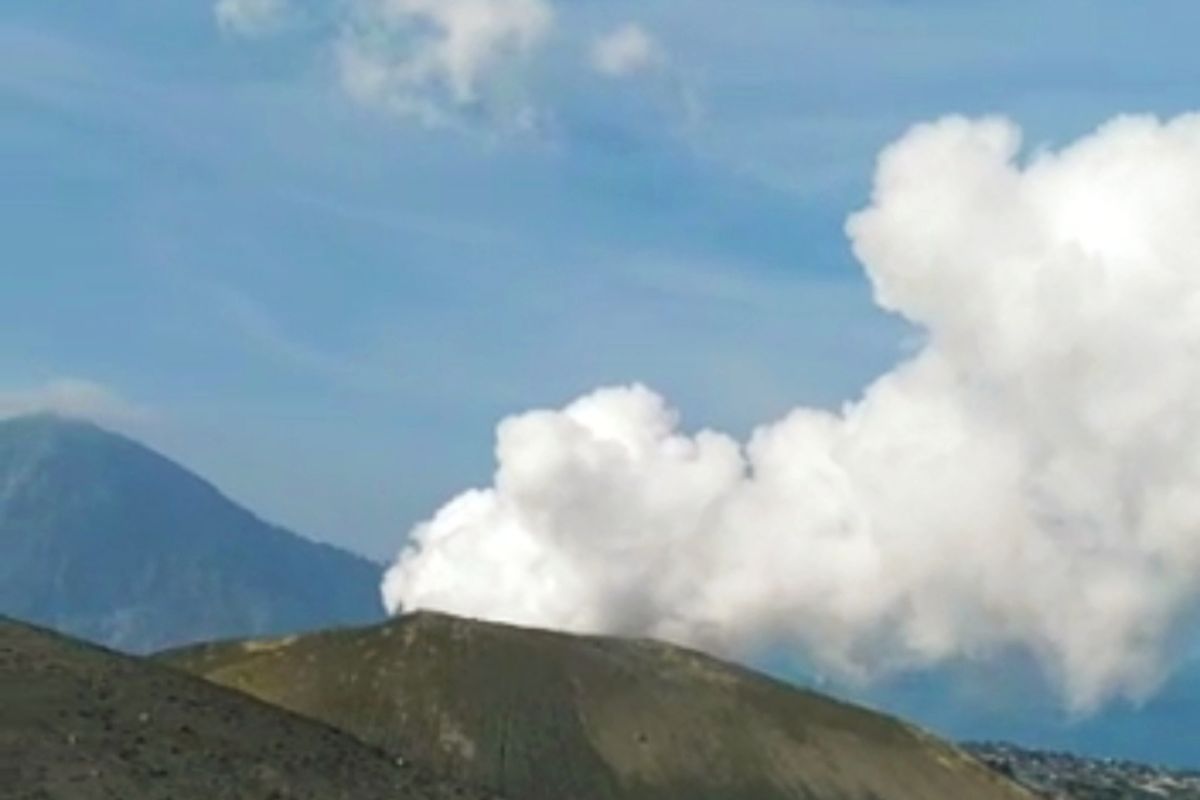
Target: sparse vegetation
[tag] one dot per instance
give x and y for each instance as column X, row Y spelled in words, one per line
column 547, row 716
column 81, row 723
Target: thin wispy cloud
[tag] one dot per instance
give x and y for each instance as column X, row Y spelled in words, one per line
column 267, row 337
column 627, row 51
column 251, row 17
column 443, row 62
column 71, row 397
column 509, row 66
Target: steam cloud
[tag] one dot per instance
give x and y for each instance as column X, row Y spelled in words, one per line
column 1028, row 482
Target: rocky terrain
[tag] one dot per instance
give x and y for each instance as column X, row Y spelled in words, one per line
column 1063, row 776
column 81, row 723
column 429, row 705
column 104, row 539
column 545, row 716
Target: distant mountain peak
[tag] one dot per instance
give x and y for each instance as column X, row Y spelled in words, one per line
column 44, row 433
column 104, row 538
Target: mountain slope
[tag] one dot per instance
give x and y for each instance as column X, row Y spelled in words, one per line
column 79, row 722
column 104, row 539
column 545, row 716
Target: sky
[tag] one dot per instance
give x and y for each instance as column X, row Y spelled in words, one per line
column 317, row 250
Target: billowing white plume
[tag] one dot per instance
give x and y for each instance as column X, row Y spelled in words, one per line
column 1029, row 482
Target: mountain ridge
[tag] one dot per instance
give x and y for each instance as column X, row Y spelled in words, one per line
column 543, row 715
column 86, row 723
column 106, row 539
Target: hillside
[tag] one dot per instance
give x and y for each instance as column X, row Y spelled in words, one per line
column 81, row 723
column 546, row 716
column 105, row 539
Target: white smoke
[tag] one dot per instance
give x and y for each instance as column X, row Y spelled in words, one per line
column 1029, row 481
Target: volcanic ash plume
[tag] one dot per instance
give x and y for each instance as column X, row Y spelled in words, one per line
column 1029, row 482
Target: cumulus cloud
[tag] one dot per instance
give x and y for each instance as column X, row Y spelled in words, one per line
column 250, row 17
column 70, row 397
column 627, row 51
column 1029, row 481
column 435, row 59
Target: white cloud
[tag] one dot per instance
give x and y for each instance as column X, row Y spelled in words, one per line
column 71, row 397
column 251, row 17
column 627, row 51
column 1029, row 480
column 453, row 63
column 436, row 59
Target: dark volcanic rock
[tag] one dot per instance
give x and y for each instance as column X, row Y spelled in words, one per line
column 1063, row 776
column 104, row 539
column 546, row 716
column 81, row 723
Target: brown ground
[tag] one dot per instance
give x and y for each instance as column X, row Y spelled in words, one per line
column 82, row 723
column 544, row 716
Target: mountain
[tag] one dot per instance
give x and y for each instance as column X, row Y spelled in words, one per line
column 107, row 540
column 546, row 716
column 81, row 723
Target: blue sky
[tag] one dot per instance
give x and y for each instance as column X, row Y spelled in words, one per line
column 324, row 302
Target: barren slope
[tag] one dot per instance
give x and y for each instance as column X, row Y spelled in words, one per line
column 81, row 723
column 546, row 716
